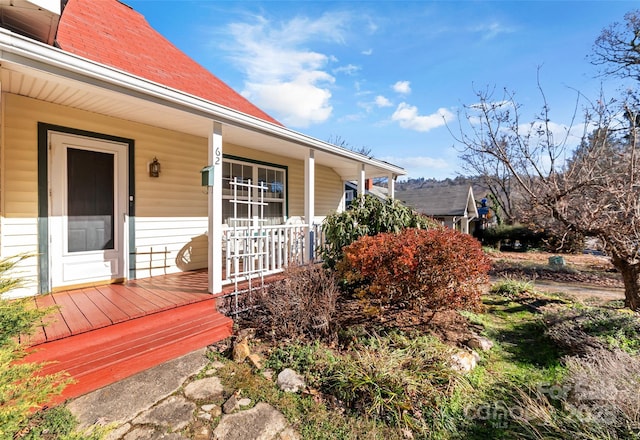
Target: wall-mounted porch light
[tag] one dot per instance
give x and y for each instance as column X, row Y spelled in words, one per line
column 154, row 168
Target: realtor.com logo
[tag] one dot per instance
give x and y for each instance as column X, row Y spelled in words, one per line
column 588, row 405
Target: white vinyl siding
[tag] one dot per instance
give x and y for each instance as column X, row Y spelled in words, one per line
column 171, row 210
column 170, row 244
column 19, row 200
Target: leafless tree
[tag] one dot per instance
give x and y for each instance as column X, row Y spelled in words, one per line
column 617, row 49
column 495, row 176
column 338, row 141
column 593, row 190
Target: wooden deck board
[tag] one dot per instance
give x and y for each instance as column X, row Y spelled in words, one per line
column 114, row 312
column 103, row 356
column 86, row 309
column 144, row 299
column 73, row 316
column 55, row 326
column 150, row 321
column 141, row 302
column 174, row 297
column 96, row 317
column 121, row 301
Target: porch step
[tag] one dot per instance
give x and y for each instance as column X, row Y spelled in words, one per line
column 109, row 354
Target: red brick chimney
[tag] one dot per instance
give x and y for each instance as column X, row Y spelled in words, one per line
column 368, row 184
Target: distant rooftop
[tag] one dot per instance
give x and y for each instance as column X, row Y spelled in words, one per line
column 437, row 201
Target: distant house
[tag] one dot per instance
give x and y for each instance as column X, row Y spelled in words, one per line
column 351, row 191
column 122, row 158
column 453, row 206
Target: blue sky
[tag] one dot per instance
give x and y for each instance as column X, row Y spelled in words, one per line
column 385, row 75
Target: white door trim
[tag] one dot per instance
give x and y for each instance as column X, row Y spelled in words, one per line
column 91, row 267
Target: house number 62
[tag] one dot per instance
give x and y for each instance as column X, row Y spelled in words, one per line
column 218, row 155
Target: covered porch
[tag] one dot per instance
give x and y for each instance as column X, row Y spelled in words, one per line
column 103, row 334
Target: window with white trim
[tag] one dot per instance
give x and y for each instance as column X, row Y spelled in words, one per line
column 349, row 195
column 273, row 177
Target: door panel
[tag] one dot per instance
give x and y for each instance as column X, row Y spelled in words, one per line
column 90, row 198
column 88, row 190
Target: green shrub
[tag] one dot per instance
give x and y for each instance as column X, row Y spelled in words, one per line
column 59, row 424
column 21, row 389
column 368, row 216
column 416, row 268
column 522, row 238
column 512, row 237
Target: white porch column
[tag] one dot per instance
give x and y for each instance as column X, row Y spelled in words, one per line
column 391, row 186
column 215, row 210
column 464, row 224
column 361, row 179
column 309, row 200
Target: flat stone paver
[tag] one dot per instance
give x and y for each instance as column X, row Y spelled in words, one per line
column 208, row 389
column 120, row 402
column 174, row 413
column 262, row 422
column 167, row 403
column 152, row 434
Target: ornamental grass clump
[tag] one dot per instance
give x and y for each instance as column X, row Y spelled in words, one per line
column 22, row 389
column 396, row 378
column 424, row 270
column 512, row 288
column 598, row 399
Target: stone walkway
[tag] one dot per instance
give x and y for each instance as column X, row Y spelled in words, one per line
column 167, row 402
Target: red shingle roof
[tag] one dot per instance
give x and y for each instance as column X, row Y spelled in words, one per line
column 112, row 33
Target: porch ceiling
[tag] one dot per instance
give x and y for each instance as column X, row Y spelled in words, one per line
column 97, row 97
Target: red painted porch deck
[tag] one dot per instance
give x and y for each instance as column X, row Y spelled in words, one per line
column 102, row 334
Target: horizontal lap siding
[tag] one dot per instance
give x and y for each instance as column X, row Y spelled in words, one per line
column 20, row 193
column 329, row 189
column 171, row 211
column 170, row 244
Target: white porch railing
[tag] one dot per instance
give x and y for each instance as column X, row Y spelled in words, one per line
column 261, row 250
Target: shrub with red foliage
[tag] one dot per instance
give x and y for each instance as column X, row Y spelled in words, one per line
column 421, row 269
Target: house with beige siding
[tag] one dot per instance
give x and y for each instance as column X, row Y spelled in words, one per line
column 121, row 158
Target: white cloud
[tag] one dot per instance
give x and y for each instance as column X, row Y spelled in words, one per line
column 407, row 116
column 300, row 101
column 560, row 133
column 381, row 101
column 367, row 52
column 402, row 87
column 491, row 30
column 282, row 76
column 423, row 166
column 354, row 117
column 349, row 69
